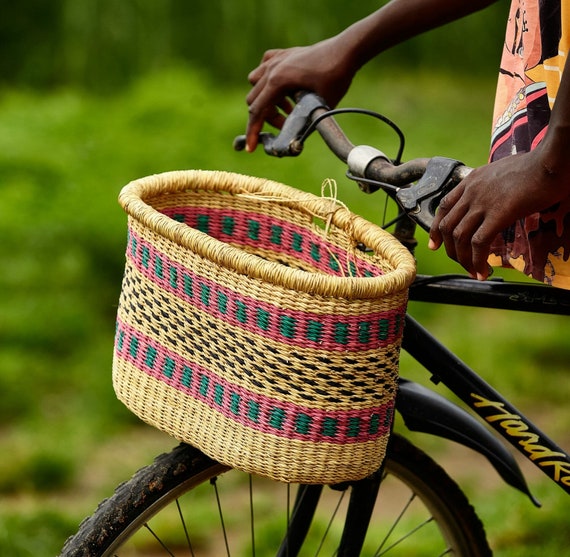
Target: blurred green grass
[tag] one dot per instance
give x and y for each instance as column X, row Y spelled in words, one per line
column 64, row 156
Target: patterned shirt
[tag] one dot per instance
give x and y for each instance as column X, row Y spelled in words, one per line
column 536, row 44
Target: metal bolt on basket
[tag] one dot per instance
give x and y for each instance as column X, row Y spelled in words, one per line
column 252, row 327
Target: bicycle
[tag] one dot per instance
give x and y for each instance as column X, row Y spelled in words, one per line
column 183, row 489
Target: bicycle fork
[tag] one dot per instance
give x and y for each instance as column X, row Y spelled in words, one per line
column 363, row 496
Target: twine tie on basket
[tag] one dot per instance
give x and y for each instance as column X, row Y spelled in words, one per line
column 336, row 204
column 326, row 216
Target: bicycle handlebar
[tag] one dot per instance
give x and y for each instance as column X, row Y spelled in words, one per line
column 417, row 185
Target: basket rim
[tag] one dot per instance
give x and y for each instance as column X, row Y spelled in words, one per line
column 132, row 198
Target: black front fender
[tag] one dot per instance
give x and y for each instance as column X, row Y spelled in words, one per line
column 425, row 411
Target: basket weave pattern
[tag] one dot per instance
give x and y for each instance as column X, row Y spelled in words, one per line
column 247, row 330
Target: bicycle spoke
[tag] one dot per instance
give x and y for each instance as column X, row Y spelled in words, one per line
column 393, row 527
column 214, row 483
column 335, row 511
column 288, row 510
column 405, row 537
column 186, row 533
column 251, row 516
column 159, row 540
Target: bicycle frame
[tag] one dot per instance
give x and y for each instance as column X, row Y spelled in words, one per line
column 486, row 402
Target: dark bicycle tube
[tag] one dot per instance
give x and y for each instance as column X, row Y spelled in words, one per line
column 496, row 294
column 500, row 414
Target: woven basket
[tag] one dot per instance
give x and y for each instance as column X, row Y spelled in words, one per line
column 251, row 330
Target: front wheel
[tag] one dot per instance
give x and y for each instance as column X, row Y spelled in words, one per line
column 186, row 504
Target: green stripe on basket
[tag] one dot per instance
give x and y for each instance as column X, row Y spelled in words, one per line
column 174, row 277
column 364, row 332
column 330, row 426
column 297, row 242
column 204, row 385
column 158, row 267
column 263, row 318
column 374, row 424
column 333, row 263
column 341, row 333
column 134, row 347
column 315, row 252
column 253, row 411
column 235, row 403
column 187, row 375
column 168, row 367
column 120, row 340
column 276, row 234
column 314, row 330
column 203, row 223
column 188, row 286
column 303, row 423
column 253, row 227
column 241, row 312
column 353, row 427
column 145, row 256
column 228, row 225
column 205, row 294
column 287, row 326
column 222, row 303
column 295, row 326
column 276, row 418
column 151, row 354
column 383, row 329
column 219, row 394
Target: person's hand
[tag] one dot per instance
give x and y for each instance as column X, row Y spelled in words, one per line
column 320, row 68
column 490, row 199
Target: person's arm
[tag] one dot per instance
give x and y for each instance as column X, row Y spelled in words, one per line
column 496, row 195
column 327, row 67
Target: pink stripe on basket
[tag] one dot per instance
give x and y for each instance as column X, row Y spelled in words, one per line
column 275, row 235
column 312, row 330
column 247, row 408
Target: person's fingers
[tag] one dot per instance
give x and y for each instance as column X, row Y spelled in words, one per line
column 258, row 116
column 448, row 230
column 275, row 118
column 285, row 105
column 435, row 239
column 257, row 72
column 267, row 103
column 272, row 52
column 445, row 206
column 261, row 108
column 257, row 89
column 459, row 237
column 480, row 249
column 252, row 135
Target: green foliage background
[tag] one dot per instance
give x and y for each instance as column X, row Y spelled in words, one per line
column 95, row 93
column 103, row 44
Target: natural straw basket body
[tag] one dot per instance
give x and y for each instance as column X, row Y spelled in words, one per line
column 256, row 334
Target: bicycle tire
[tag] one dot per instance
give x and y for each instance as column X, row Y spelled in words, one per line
column 120, row 519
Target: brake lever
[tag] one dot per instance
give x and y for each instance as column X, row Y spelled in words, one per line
column 288, row 143
column 422, row 200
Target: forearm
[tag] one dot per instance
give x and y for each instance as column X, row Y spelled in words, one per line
column 328, row 67
column 399, row 20
column 555, row 148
